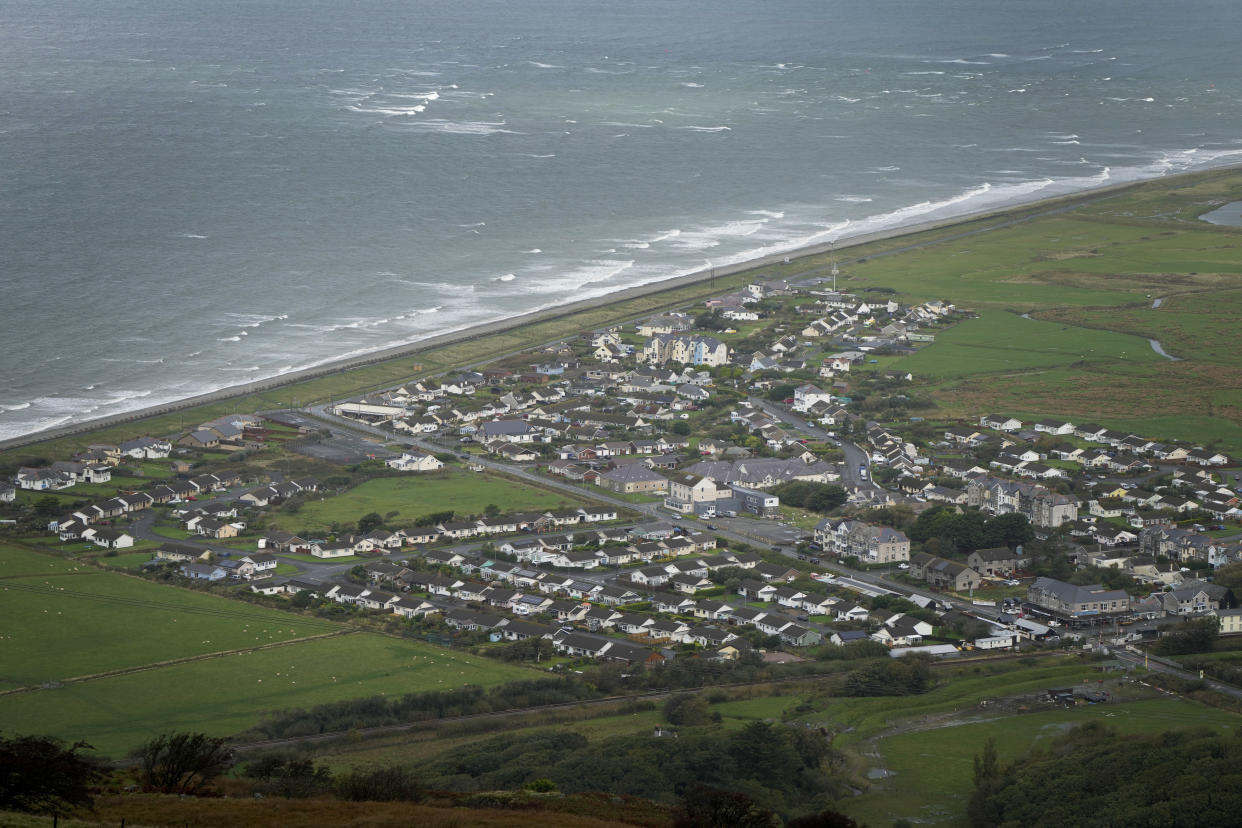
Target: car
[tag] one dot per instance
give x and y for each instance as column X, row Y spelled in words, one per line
column 903, row 566
column 710, row 525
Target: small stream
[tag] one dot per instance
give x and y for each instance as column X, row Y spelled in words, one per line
column 1155, row 346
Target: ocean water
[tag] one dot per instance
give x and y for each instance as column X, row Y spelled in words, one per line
column 200, row 194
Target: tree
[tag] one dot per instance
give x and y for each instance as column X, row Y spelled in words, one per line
column 987, row 764
column 38, row 774
column 289, row 775
column 681, row 427
column 826, row 819
column 491, row 510
column 1008, row 530
column 704, row 807
column 687, row 710
column 184, row 762
column 47, row 505
column 1195, row 636
column 303, row 599
column 369, row 522
column 1229, row 576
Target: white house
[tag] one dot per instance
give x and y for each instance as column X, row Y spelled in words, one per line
column 414, row 461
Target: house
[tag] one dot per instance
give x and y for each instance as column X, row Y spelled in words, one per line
column 1196, row 597
column 992, row 563
column 414, row 461
column 943, row 573
column 261, row 563
column 201, row 439
column 1000, row 422
column 633, row 478
column 112, row 539
column 203, row 572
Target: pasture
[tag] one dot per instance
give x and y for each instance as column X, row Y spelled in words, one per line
column 80, row 623
column 999, row 341
column 229, row 693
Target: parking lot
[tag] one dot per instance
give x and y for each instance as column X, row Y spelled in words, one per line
column 770, row 532
column 345, row 449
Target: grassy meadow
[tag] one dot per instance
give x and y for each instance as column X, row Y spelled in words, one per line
column 229, row 693
column 413, row 496
column 177, row 658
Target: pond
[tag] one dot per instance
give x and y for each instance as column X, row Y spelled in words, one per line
column 1230, row 214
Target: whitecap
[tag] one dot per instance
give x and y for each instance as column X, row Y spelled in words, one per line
column 508, row 277
column 534, row 250
column 708, row 129
column 459, row 127
column 690, row 85
column 539, row 65
column 191, row 236
column 854, row 199
column 18, row 407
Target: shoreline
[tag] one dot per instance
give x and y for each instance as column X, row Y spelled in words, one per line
column 1018, row 211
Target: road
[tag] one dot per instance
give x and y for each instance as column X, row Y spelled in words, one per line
column 855, row 469
column 1159, row 666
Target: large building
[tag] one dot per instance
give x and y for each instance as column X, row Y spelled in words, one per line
column 1073, row 601
column 872, row 544
column 1041, row 507
column 686, row 350
column 633, row 478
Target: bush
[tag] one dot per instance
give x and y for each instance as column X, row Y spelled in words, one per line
column 392, row 784
column 183, row 762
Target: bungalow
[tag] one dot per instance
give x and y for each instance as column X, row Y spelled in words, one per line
column 415, row 461
column 112, row 539
column 203, row 572
column 1000, row 422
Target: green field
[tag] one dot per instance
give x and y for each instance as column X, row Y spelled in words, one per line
column 999, row 341
column 84, row 623
column 415, row 495
column 227, row 694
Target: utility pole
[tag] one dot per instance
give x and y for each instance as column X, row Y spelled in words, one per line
column 832, row 252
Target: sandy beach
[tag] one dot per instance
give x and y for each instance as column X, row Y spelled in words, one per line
column 1000, row 217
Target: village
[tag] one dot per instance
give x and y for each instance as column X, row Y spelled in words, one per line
column 743, row 479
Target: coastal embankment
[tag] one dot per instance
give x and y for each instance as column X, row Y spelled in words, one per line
column 857, row 247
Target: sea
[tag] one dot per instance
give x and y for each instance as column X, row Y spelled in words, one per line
column 197, row 194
